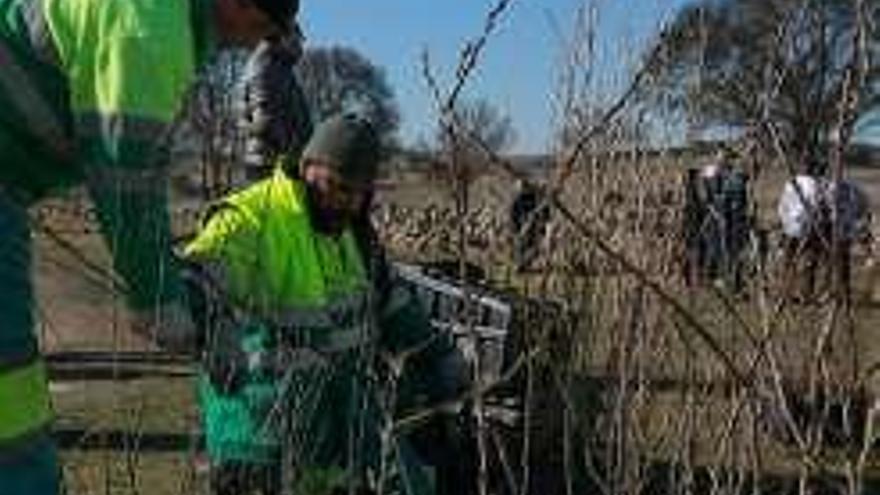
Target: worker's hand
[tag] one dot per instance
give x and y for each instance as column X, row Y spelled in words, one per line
column 169, row 326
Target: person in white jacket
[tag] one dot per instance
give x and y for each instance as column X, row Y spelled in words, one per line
column 814, row 212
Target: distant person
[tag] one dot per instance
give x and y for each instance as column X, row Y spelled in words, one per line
column 711, row 182
column 853, row 226
column 89, row 90
column 806, row 211
column 802, row 219
column 529, row 215
column 693, row 217
column 736, row 226
column 721, row 202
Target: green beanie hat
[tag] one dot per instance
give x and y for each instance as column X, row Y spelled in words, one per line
column 347, row 143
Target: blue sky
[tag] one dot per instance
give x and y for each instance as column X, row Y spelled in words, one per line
column 521, row 62
column 519, row 66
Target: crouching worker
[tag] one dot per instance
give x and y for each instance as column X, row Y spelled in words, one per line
column 300, row 310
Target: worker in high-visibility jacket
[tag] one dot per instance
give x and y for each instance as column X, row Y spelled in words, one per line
column 88, row 92
column 299, row 308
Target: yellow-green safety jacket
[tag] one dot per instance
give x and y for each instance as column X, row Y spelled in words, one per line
column 315, row 293
column 88, row 90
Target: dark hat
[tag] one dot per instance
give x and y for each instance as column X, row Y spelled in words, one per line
column 281, row 12
column 349, row 144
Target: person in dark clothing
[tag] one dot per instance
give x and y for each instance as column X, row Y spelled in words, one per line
column 735, row 226
column 722, row 194
column 693, row 216
column 711, row 230
column 715, row 223
column 276, row 120
column 529, row 215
